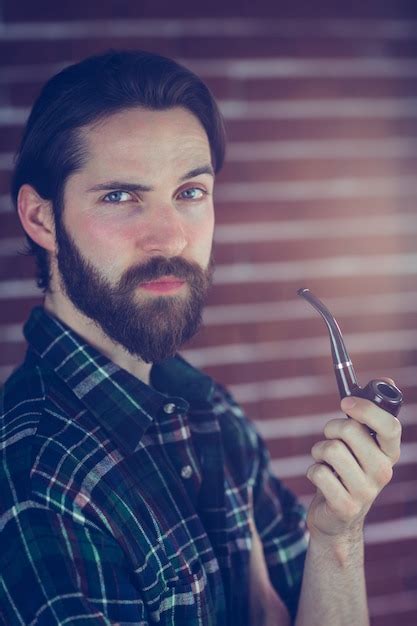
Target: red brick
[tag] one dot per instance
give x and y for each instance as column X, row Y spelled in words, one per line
column 326, row 128
column 217, row 8
column 279, row 170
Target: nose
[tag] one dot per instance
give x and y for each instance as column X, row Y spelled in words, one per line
column 164, row 233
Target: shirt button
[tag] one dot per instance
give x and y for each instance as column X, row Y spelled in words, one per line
column 169, row 408
column 186, row 471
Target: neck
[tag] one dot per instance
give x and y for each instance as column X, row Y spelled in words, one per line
column 59, row 306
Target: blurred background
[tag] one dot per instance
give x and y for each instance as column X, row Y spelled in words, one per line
column 319, row 190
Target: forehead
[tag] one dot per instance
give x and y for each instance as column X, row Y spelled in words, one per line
column 148, row 136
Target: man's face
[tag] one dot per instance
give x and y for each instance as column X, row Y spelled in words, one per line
column 135, row 239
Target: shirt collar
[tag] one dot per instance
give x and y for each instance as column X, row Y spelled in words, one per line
column 123, row 404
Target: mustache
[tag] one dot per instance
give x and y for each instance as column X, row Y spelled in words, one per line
column 157, row 267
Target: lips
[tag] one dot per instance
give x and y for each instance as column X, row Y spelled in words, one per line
column 163, row 284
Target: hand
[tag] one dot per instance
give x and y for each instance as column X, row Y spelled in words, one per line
column 352, row 467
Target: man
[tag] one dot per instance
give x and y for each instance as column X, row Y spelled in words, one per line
column 134, row 489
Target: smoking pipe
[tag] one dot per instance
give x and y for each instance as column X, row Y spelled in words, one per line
column 384, row 394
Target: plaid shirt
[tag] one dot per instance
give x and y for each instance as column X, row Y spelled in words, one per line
column 123, row 503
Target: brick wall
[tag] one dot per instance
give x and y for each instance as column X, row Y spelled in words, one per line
column 319, row 190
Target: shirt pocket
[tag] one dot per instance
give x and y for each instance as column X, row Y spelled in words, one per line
column 238, row 517
column 185, row 601
column 172, row 596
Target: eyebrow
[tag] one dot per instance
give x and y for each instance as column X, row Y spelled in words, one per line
column 118, row 184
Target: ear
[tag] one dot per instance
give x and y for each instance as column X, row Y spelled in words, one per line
column 36, row 216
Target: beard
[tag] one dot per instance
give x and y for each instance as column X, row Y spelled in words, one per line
column 151, row 328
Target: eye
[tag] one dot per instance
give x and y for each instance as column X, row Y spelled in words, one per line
column 193, row 193
column 117, row 197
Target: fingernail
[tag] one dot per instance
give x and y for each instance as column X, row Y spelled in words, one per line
column 348, row 403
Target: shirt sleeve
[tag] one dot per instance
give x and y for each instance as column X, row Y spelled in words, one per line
column 281, row 523
column 280, row 517
column 58, row 571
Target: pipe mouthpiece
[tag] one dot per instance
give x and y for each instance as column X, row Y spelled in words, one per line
column 344, row 371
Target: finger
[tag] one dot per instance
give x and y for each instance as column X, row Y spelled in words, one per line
column 333, row 490
column 335, row 453
column 374, row 463
column 386, row 426
column 387, row 380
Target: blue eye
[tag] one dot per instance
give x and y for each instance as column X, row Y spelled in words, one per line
column 190, row 193
column 115, row 197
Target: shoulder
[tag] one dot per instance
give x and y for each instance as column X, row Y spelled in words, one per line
column 233, row 418
column 38, row 433
column 242, row 443
column 22, row 399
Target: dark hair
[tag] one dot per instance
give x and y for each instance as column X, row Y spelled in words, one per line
column 51, row 148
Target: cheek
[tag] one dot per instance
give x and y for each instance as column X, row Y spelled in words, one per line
column 201, row 237
column 103, row 243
